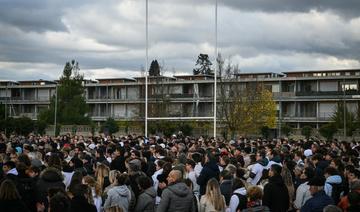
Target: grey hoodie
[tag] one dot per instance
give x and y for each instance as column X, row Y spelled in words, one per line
column 177, row 198
column 118, row 196
column 146, row 201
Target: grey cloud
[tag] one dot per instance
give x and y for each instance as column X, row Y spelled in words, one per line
column 346, row 8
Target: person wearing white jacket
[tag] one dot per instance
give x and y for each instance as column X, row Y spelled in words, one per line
column 302, row 192
column 238, row 198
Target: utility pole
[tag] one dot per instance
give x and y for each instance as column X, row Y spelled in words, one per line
column 216, row 68
column 344, row 102
column 55, row 114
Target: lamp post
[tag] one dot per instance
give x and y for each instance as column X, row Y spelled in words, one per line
column 146, row 66
column 216, row 64
column 55, row 114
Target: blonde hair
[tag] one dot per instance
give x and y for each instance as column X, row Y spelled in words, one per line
column 101, row 172
column 90, row 181
column 113, row 175
column 213, row 194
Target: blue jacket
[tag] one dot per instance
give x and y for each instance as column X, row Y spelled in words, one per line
column 335, row 179
column 209, row 171
column 317, row 203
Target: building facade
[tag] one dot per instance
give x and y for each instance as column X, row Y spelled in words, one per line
column 302, row 97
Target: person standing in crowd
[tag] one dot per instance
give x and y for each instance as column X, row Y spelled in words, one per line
column 209, row 170
column 254, row 203
column 81, row 199
column 303, row 192
column 276, row 195
column 333, row 184
column 10, row 200
column 226, row 181
column 256, row 170
column 146, row 199
column 96, row 191
column 190, row 174
column 119, row 162
column 319, row 198
column 176, row 197
column 119, row 195
column 238, row 198
column 213, row 200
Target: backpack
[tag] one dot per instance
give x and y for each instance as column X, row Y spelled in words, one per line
column 337, row 189
column 242, row 201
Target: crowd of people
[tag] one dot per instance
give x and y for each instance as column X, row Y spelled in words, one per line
column 179, row 173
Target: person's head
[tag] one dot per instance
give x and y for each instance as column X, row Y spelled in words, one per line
column 225, row 175
column 189, row 183
column 298, row 156
column 260, row 155
column 90, row 181
column 237, row 183
column 190, row 165
column 159, row 164
column 174, row 176
column 59, row 203
column 332, row 208
column 81, row 190
column 307, row 173
column 8, row 191
column 112, row 176
column 275, row 170
column 316, row 158
column 254, row 193
column 316, row 184
column 330, row 171
column 213, row 194
column 122, row 179
column 196, row 157
column 34, row 171
column 144, row 182
column 7, row 166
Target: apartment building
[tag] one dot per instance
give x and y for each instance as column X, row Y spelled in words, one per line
column 302, row 97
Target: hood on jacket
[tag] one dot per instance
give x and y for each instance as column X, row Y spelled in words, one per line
column 241, row 191
column 51, row 175
column 263, row 162
column 179, row 189
column 334, row 179
column 151, row 192
column 121, row 190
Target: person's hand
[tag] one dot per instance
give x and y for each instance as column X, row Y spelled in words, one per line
column 40, row 207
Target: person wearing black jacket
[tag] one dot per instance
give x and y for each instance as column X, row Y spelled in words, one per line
column 276, row 195
column 119, row 162
column 210, row 170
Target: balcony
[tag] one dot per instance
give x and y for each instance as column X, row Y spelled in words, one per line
column 327, row 93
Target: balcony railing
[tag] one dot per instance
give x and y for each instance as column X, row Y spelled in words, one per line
column 327, row 93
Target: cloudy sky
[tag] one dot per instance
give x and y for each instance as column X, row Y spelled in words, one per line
column 107, row 37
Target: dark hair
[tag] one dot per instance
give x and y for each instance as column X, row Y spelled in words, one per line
column 196, row 157
column 122, row 179
column 188, row 182
column 144, row 182
column 10, row 164
column 331, row 171
column 59, row 203
column 80, row 190
column 24, row 159
column 309, row 172
column 237, row 183
column 276, row 169
column 226, row 175
column 191, row 162
column 8, row 191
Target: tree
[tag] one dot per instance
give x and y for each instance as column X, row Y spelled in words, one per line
column 338, row 119
column 306, row 131
column 286, row 129
column 243, row 109
column 109, row 126
column 154, row 69
column 265, row 132
column 203, row 65
column 24, row 125
column 71, row 105
column 328, row 130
